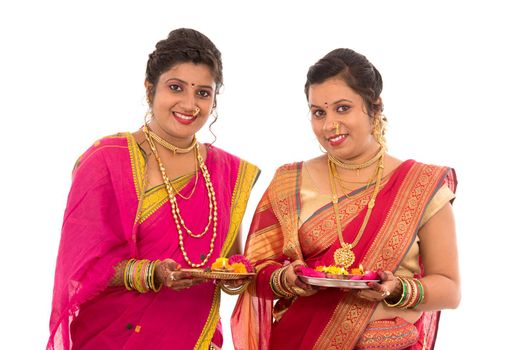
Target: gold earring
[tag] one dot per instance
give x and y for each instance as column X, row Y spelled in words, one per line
column 378, row 129
column 148, row 116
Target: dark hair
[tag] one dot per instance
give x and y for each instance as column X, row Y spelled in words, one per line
column 183, row 45
column 355, row 69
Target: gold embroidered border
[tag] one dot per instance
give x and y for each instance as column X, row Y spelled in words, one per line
column 247, row 175
column 138, row 163
column 157, row 196
column 386, row 251
column 284, row 200
column 211, row 324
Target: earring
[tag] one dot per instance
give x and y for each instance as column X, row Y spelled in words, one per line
column 148, row 116
column 379, row 129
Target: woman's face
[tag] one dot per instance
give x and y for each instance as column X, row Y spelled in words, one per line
column 182, row 101
column 333, row 103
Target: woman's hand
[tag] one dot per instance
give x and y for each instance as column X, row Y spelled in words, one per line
column 379, row 291
column 294, row 283
column 167, row 272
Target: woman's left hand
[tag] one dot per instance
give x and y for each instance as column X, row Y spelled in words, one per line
column 380, row 291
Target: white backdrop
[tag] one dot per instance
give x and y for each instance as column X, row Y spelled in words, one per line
column 72, row 72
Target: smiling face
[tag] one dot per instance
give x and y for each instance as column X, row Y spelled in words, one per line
column 181, row 102
column 340, row 120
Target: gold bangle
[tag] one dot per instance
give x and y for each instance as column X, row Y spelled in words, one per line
column 154, row 288
column 233, row 291
column 402, row 297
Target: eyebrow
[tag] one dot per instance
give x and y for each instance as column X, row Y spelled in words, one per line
column 334, row 103
column 186, row 83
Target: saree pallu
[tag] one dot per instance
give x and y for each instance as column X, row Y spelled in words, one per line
column 330, row 319
column 110, row 218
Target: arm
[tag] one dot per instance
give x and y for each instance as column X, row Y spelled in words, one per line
column 438, row 249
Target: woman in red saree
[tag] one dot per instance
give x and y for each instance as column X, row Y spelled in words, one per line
column 394, row 217
column 143, row 205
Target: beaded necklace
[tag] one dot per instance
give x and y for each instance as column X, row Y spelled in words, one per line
column 175, row 210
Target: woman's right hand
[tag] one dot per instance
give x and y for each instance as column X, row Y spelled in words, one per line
column 294, row 283
column 167, row 273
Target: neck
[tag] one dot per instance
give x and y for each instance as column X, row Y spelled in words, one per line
column 167, row 145
column 178, row 142
column 362, row 161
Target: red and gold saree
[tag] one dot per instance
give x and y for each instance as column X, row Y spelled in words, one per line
column 104, row 225
column 330, row 319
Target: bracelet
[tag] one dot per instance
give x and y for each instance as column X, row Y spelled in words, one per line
column 402, row 297
column 421, row 294
column 152, row 277
column 276, row 285
column 413, row 295
column 233, row 291
column 127, row 274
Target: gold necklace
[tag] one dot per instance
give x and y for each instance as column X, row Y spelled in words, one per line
column 148, row 132
column 170, row 146
column 175, row 210
column 344, row 255
column 357, row 167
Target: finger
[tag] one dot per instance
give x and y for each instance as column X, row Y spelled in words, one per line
column 171, row 264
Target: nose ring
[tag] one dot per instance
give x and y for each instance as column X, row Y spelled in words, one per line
column 196, row 110
column 336, row 126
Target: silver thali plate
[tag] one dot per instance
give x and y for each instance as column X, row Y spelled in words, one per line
column 337, row 283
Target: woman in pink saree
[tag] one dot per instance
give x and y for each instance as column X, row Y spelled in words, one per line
column 142, row 206
column 354, row 206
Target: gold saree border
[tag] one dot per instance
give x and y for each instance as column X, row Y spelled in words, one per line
column 211, row 323
column 247, row 175
column 284, row 196
column 155, row 197
column 387, row 250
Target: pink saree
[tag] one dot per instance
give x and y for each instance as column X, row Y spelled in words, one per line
column 330, row 319
column 104, row 225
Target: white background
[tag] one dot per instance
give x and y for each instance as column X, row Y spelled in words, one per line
column 72, row 72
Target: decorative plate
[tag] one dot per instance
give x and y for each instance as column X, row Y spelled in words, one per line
column 217, row 275
column 335, row 282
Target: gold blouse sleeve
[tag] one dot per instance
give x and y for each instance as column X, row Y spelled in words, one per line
column 443, row 195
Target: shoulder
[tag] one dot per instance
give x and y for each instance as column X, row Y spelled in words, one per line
column 103, row 148
column 445, row 175
column 222, row 156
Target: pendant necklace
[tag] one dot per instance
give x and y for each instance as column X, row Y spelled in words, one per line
column 344, row 256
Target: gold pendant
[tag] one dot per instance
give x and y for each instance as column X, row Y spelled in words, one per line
column 344, row 256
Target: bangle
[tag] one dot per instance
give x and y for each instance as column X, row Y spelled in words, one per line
column 127, row 274
column 152, row 277
column 413, row 296
column 276, row 285
column 421, row 294
column 232, row 291
column 403, row 295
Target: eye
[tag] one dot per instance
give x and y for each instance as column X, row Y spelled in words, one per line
column 175, row 87
column 203, row 93
column 343, row 108
column 318, row 113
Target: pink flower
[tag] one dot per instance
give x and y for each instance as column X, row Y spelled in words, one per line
column 370, row 275
column 306, row 271
column 238, row 258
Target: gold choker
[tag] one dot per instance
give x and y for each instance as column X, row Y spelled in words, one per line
column 357, row 166
column 166, row 144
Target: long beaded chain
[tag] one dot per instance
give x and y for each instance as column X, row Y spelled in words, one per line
column 170, row 147
column 175, row 211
